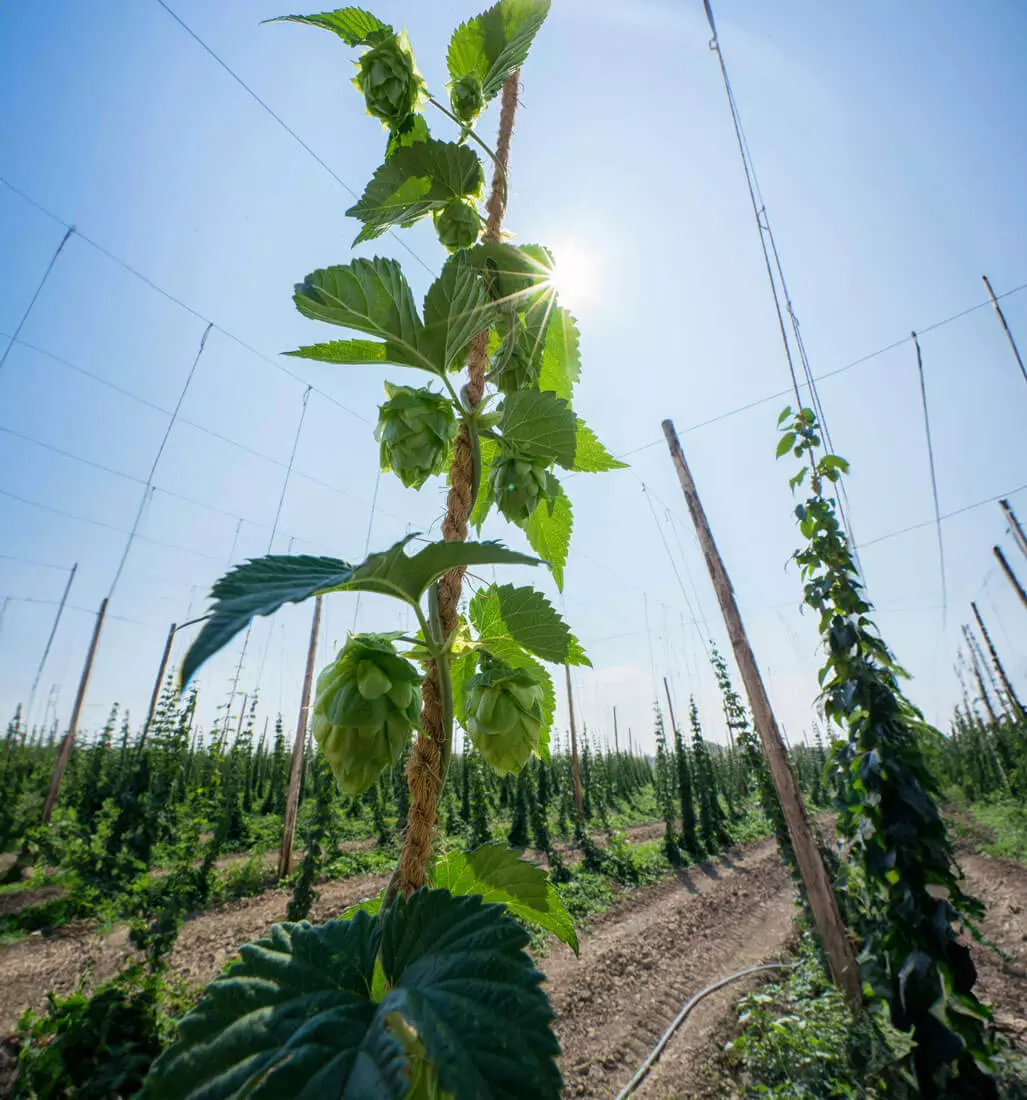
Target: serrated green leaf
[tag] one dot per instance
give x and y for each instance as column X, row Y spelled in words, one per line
column 461, row 669
column 540, row 424
column 346, row 352
column 784, row 444
column 590, row 456
column 549, row 533
column 785, row 413
column 371, row 906
column 370, row 296
column 456, row 309
column 463, row 981
column 495, row 44
column 263, row 585
column 292, row 1014
column 561, row 357
column 414, row 181
column 483, row 505
column 525, row 615
column 497, row 875
column 297, row 1016
column 412, row 131
column 354, row 26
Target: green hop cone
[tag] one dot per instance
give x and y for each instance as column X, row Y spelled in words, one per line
column 415, row 429
column 457, row 224
column 517, row 483
column 366, row 704
column 466, row 98
column 389, row 80
column 503, row 714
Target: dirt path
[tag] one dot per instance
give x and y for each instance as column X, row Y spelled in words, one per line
column 642, row 960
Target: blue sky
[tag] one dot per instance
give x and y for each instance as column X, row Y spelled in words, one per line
column 886, row 140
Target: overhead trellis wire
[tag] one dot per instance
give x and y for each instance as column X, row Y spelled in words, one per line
column 934, row 479
column 769, row 246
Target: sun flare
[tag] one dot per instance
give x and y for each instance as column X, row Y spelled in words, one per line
column 575, row 276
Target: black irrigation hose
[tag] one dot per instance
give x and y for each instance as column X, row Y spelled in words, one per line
column 680, row 1018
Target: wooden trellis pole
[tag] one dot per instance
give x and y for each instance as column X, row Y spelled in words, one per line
column 76, row 711
column 995, row 660
column 1014, row 525
column 1010, row 575
column 292, row 802
column 1005, row 327
column 822, row 902
column 579, row 800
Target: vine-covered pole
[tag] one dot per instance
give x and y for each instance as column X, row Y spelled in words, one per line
column 1005, row 327
column 76, row 711
column 298, row 750
column 155, row 694
column 579, row 798
column 1010, row 575
column 426, row 769
column 823, row 904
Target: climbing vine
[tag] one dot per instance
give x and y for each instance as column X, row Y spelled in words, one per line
column 905, row 901
column 428, row 991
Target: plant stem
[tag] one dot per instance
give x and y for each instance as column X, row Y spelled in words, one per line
column 464, row 129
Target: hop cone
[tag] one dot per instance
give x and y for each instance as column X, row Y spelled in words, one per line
column 517, row 483
column 466, row 98
column 367, row 703
column 503, row 714
column 457, row 224
column 415, row 429
column 389, row 80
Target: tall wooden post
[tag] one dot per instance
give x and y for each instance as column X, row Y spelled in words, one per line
column 616, row 740
column 155, row 694
column 823, row 904
column 999, row 668
column 1010, row 575
column 298, row 751
column 1014, row 525
column 1005, row 327
column 579, row 799
column 670, row 707
column 76, row 711
column 985, row 699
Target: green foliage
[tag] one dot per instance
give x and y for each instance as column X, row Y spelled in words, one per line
column 549, row 532
column 497, row 875
column 303, row 1010
column 799, row 1038
column 907, row 904
column 91, row 1046
column 502, row 612
column 518, row 484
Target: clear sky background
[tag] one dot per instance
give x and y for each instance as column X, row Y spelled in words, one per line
column 889, row 143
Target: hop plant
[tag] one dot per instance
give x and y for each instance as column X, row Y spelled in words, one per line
column 517, row 483
column 389, row 80
column 503, row 714
column 367, row 703
column 457, row 224
column 466, row 98
column 416, row 429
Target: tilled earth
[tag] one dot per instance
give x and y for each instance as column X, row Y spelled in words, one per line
column 640, row 961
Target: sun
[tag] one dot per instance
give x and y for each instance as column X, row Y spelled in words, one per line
column 575, row 276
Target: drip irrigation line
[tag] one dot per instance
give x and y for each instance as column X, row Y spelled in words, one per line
column 284, row 125
column 934, row 479
column 125, row 266
column 39, row 290
column 148, row 487
column 680, row 1018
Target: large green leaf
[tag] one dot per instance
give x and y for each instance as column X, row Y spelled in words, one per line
column 496, row 874
column 483, row 505
column 462, row 980
column 414, row 181
column 590, row 456
column 540, row 424
column 354, row 26
column 549, row 533
column 495, row 44
column 561, row 357
column 370, row 296
column 456, row 308
column 295, row 1019
column 529, row 618
column 263, row 585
